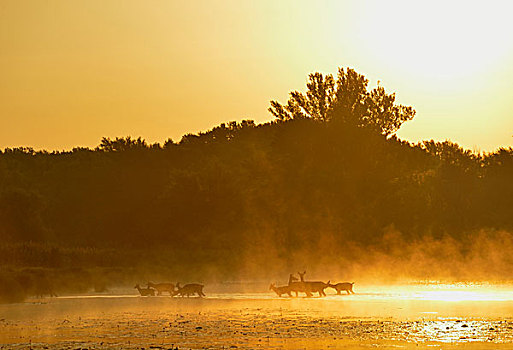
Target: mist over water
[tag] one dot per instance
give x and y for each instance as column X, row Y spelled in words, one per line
column 483, row 257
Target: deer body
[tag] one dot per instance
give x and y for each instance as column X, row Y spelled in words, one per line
column 280, row 290
column 145, row 291
column 314, row 286
column 189, row 289
column 339, row 287
column 162, row 287
column 298, row 286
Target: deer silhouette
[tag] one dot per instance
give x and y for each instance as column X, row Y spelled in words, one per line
column 162, row 287
column 281, row 290
column 189, row 289
column 314, row 286
column 339, row 287
column 145, row 292
column 298, row 287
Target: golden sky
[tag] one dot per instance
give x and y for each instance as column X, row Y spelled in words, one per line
column 72, row 72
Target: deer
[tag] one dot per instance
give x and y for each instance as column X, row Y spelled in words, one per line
column 339, row 287
column 280, row 290
column 297, row 287
column 189, row 289
column 314, row 286
column 145, row 292
column 162, row 287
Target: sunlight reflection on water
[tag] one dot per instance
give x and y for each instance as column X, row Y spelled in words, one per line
column 445, row 292
column 414, row 313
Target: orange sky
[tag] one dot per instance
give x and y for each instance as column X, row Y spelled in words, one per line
column 72, row 72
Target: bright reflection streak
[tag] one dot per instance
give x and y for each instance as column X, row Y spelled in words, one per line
column 464, row 292
column 436, row 292
column 459, row 295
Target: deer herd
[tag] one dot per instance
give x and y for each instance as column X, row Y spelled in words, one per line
column 295, row 285
column 299, row 285
column 173, row 290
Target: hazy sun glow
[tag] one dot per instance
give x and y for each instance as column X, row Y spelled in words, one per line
column 451, row 60
column 447, row 40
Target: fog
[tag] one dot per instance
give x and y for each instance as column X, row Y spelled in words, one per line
column 483, row 257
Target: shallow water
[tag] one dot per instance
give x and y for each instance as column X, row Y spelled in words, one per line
column 390, row 316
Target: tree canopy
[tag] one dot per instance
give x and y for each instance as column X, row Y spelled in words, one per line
column 346, row 100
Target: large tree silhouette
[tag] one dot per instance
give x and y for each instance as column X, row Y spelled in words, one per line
column 347, row 100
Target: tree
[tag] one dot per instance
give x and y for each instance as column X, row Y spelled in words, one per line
column 316, row 104
column 347, row 100
column 120, row 144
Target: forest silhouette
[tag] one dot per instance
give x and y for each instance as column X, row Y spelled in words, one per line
column 328, row 183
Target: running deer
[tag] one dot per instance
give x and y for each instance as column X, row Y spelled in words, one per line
column 145, row 291
column 339, row 287
column 162, row 287
column 189, row 289
column 281, row 290
column 297, row 287
column 314, row 286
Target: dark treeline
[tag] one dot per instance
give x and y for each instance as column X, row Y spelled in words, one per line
column 328, row 175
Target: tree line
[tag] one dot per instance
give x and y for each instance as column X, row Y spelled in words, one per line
column 327, row 172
